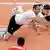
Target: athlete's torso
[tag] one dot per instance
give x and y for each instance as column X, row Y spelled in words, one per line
column 25, row 17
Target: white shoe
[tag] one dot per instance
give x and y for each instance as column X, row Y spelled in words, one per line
column 5, row 35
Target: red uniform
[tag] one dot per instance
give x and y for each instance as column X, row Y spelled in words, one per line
column 17, row 48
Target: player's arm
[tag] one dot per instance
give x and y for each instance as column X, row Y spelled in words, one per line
column 42, row 18
column 39, row 17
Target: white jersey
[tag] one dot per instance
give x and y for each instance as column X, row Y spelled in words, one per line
column 25, row 17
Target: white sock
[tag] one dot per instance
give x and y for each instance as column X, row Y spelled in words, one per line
column 6, row 35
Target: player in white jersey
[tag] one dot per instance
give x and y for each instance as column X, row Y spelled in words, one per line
column 21, row 19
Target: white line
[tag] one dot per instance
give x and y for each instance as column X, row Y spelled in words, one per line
column 32, row 3
column 18, row 3
column 6, row 3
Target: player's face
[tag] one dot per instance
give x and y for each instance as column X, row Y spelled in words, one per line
column 37, row 10
column 46, row 11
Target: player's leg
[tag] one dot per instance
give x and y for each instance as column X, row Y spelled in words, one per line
column 9, row 29
column 12, row 30
column 12, row 27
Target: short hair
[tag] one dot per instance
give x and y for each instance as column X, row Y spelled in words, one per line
column 46, row 6
column 34, row 6
column 21, row 41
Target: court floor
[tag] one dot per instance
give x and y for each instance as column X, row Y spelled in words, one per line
column 33, row 42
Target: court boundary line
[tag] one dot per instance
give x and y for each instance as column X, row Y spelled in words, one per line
column 12, row 3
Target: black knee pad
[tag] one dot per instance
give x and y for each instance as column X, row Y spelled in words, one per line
column 11, row 30
column 13, row 26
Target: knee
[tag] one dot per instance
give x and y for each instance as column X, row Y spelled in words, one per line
column 10, row 30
